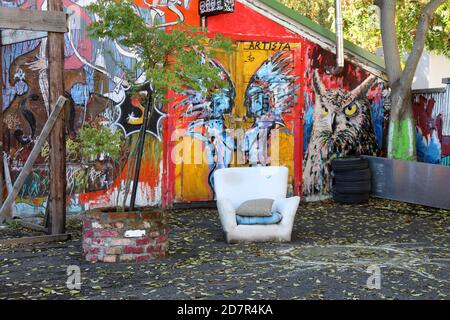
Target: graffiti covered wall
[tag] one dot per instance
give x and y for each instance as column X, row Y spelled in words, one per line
column 252, row 122
column 280, row 107
column 274, row 99
column 344, row 115
column 432, row 115
column 99, row 97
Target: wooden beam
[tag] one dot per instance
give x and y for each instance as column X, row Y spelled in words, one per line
column 32, row 157
column 28, row 225
column 57, row 193
column 11, row 36
column 32, row 226
column 9, row 186
column 37, row 239
column 35, row 20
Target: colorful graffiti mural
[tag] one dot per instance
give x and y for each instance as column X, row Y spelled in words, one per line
column 344, row 116
column 235, row 127
column 99, row 94
column 280, row 107
column 431, row 112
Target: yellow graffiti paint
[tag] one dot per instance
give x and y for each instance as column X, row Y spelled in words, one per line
column 192, row 178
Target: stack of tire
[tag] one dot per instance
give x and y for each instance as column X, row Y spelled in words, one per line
column 352, row 180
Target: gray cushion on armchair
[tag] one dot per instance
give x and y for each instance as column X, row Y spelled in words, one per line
column 256, row 208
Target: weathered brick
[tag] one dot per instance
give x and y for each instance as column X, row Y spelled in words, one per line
column 142, row 241
column 147, row 225
column 132, row 249
column 119, row 225
column 154, row 234
column 143, row 257
column 113, row 250
column 98, row 241
column 121, row 215
column 94, row 250
column 162, row 238
column 156, row 226
column 92, row 257
column 103, row 235
column 156, row 215
column 88, row 233
column 96, row 225
column 135, row 225
column 160, row 254
column 152, row 249
column 122, row 242
column 107, row 233
column 110, row 258
column 127, row 257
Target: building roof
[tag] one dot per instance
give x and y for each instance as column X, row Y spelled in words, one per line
column 354, row 50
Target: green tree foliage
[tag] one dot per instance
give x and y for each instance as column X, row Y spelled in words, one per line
column 171, row 60
column 96, row 141
column 362, row 27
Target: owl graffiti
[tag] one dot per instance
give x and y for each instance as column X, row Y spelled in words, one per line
column 342, row 126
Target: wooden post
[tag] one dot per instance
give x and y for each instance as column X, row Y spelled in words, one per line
column 9, row 186
column 28, row 166
column 57, row 165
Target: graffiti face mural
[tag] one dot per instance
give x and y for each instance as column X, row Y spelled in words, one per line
column 235, row 125
column 270, row 94
column 342, row 126
column 206, row 113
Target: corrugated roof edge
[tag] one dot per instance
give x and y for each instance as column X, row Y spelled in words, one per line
column 351, row 47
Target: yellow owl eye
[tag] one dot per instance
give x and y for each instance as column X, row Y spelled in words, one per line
column 350, row 110
column 324, row 111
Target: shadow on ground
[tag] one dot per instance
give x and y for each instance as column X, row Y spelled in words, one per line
column 331, row 250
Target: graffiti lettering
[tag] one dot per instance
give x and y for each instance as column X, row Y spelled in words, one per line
column 210, row 7
column 268, row 45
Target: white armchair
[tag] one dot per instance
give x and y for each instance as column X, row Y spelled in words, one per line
column 233, row 186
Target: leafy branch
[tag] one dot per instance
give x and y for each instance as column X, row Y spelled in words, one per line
column 172, row 59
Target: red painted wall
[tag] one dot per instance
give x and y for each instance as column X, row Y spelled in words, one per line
column 246, row 24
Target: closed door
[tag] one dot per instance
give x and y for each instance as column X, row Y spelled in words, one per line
column 252, row 121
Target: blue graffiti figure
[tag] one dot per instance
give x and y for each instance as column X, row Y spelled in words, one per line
column 208, row 125
column 269, row 94
column 220, row 145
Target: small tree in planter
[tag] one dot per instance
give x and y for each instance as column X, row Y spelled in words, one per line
column 100, row 149
column 175, row 60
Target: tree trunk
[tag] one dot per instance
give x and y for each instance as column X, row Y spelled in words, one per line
column 402, row 133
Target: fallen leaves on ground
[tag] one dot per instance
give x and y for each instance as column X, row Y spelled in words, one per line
column 332, row 247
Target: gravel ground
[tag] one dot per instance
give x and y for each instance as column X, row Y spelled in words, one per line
column 331, row 250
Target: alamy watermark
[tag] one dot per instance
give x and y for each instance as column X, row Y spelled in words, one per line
column 222, row 147
column 73, row 277
column 374, row 280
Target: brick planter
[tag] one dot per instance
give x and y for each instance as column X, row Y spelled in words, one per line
column 112, row 236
